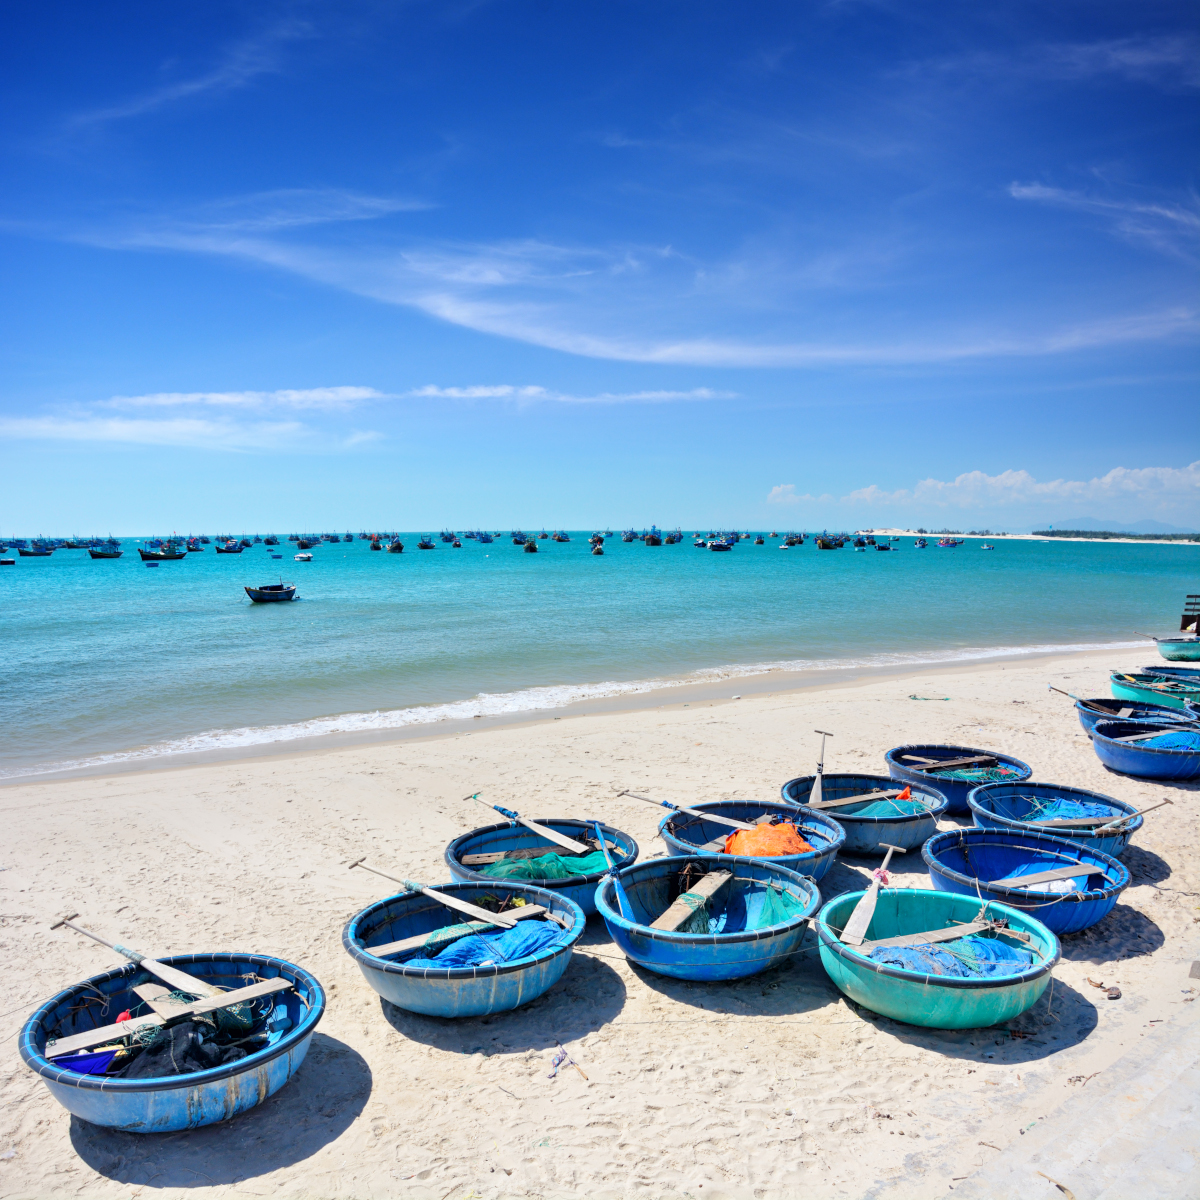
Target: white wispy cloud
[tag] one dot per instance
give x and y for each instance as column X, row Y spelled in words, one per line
column 1172, row 228
column 326, row 399
column 242, row 62
column 785, row 493
column 1153, row 486
column 193, row 432
column 294, row 208
column 533, row 395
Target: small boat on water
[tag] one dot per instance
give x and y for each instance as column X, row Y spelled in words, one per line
column 36, row 552
column 985, row 546
column 531, row 546
column 426, row 543
column 271, row 592
column 303, row 557
column 718, row 544
column 229, row 547
column 396, row 546
column 270, row 540
column 920, row 543
column 171, row 552
column 105, row 553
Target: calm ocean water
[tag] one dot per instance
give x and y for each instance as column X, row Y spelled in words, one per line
column 109, row 660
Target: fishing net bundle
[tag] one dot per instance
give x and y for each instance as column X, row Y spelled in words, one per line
column 971, row 957
column 1175, row 739
column 903, row 805
column 976, row 774
column 1059, row 808
column 768, row 841
column 546, row 866
column 523, row 940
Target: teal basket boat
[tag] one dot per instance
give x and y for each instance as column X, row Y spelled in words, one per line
column 1179, row 649
column 1144, row 688
column 920, row 997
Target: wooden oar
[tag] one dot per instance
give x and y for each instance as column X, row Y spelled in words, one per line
column 815, row 796
column 687, row 903
column 691, row 812
column 438, row 938
column 622, row 899
column 558, row 839
column 180, row 980
column 107, row 1033
column 1021, row 881
column 480, row 914
column 864, row 910
column 1143, row 737
column 856, row 799
column 1118, row 821
column 1080, row 700
column 933, row 764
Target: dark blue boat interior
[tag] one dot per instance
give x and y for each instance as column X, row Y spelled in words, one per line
column 995, row 856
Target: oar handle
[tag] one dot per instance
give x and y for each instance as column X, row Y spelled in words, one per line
column 1119, row 821
column 408, row 885
column 133, row 955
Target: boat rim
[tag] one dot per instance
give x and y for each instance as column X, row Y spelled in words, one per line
column 37, row 1061
column 971, row 833
column 828, row 940
column 975, row 803
column 612, row 916
column 1141, row 747
column 912, row 748
column 365, row 958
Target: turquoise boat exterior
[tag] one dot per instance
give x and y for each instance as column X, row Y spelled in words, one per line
column 685, row 834
column 1143, row 688
column 509, row 835
column 171, row 1104
column 934, row 1001
column 867, row 835
column 1179, row 649
column 457, row 991
column 704, row 957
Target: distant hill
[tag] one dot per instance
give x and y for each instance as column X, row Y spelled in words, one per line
column 1115, row 526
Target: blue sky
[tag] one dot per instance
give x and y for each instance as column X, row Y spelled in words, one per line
column 434, row 264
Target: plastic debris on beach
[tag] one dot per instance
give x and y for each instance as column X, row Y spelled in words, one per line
column 768, row 841
column 966, row 958
column 546, row 866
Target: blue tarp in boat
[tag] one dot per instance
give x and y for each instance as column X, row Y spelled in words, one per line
column 966, row 958
column 753, row 908
column 522, row 940
column 1060, row 809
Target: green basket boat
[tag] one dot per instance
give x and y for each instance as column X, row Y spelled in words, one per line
column 1153, row 689
column 932, row 1000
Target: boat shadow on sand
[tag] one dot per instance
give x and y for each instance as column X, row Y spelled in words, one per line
column 315, row 1108
column 589, row 995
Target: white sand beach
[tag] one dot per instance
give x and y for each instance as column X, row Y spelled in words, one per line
column 771, row 1087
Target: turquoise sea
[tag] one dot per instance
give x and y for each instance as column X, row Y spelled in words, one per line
column 108, row 660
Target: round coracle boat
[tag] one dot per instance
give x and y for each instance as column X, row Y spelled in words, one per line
column 427, row 958
column 1127, row 710
column 1170, row 752
column 708, row 917
column 685, row 834
column 961, row 769
column 884, row 815
column 1072, row 813
column 280, row 1028
column 1070, row 887
column 518, row 854
column 967, row 982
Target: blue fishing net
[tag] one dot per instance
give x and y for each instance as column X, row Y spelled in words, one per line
column 977, row 774
column 1054, row 808
column 751, row 908
column 522, row 940
column 1180, row 739
column 964, row 958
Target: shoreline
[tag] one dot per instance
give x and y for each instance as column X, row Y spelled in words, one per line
column 1132, row 540
column 733, row 684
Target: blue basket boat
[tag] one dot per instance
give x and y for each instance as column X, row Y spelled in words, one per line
column 969, row 861
column 457, row 991
column 918, row 998
column 685, row 834
column 954, row 787
column 1173, row 755
column 866, row 831
column 1182, row 674
column 1128, row 710
column 1018, row 806
column 652, row 885
column 509, row 835
column 1144, row 688
column 172, row 1103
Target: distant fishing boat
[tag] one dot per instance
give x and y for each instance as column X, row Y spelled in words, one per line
column 376, row 544
column 269, row 540
column 484, row 539
column 37, row 552
column 271, row 592
column 395, row 546
column 531, row 546
column 985, row 546
column 719, row 544
column 304, row 543
column 303, row 558
column 426, row 543
column 518, row 538
column 920, row 543
column 170, row 552
column 105, row 553
column 230, row 547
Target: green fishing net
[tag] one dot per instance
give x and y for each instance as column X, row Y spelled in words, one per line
column 547, row 866
column 884, row 808
column 978, row 774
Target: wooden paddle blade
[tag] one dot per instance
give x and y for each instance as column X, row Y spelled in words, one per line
column 472, row 910
column 860, row 918
column 1020, row 881
column 814, row 797
column 865, row 796
column 695, row 897
column 558, row 839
